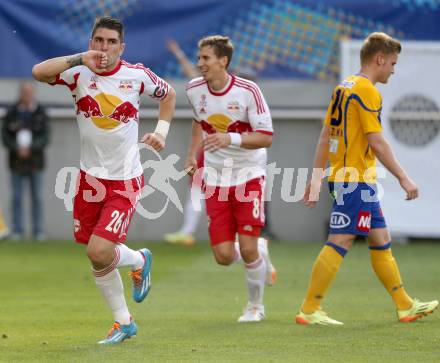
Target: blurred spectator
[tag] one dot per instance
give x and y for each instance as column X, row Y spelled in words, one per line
column 4, row 230
column 25, row 133
column 191, row 217
column 188, row 68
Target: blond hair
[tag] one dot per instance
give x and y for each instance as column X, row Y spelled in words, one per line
column 378, row 43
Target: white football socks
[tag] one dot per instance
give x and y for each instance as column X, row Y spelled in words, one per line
column 255, row 278
column 112, row 289
column 191, row 217
column 262, row 247
column 127, row 257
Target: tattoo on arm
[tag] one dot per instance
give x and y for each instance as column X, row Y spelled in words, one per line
column 74, row 60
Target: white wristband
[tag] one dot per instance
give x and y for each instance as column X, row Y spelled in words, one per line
column 235, row 138
column 162, row 128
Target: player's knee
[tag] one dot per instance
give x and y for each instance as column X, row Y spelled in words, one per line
column 93, row 255
column 345, row 243
column 223, row 259
column 99, row 256
column 249, row 253
column 223, row 262
column 342, row 240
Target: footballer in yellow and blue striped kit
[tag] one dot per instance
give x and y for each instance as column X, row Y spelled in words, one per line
column 350, row 141
column 353, row 113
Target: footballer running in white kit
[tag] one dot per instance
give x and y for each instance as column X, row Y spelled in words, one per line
column 233, row 123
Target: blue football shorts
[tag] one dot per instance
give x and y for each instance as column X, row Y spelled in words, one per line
column 356, row 209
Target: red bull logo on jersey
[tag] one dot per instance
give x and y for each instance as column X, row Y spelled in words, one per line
column 207, row 127
column 222, row 123
column 88, row 107
column 124, row 112
column 106, row 111
column 240, row 127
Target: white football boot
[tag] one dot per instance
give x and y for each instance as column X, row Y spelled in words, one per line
column 252, row 313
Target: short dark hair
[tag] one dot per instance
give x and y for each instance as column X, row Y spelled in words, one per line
column 109, row 23
column 378, row 43
column 222, row 45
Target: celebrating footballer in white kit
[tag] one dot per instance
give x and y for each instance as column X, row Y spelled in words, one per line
column 233, row 123
column 106, row 92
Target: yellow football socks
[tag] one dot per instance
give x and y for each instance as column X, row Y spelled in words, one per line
column 385, row 267
column 324, row 271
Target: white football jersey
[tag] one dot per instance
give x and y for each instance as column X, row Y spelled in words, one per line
column 240, row 108
column 107, row 111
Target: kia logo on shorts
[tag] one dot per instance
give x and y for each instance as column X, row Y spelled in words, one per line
column 339, row 220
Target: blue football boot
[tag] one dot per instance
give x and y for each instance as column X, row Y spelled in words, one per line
column 142, row 277
column 118, row 333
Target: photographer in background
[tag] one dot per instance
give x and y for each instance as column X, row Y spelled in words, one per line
column 25, row 133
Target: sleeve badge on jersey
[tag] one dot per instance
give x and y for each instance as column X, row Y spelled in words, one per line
column 159, row 92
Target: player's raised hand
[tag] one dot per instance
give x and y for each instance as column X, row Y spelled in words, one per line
column 173, row 46
column 191, row 165
column 412, row 192
column 156, row 141
column 95, row 60
column 216, row 141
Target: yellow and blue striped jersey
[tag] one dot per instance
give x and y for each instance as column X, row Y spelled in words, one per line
column 353, row 113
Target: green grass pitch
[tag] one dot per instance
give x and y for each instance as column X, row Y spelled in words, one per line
column 51, row 311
